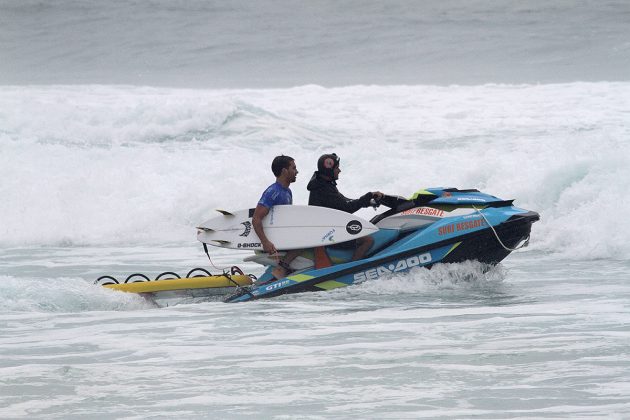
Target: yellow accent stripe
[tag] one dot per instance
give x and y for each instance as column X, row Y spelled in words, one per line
column 178, row 284
column 452, row 248
column 330, row 284
column 300, row 277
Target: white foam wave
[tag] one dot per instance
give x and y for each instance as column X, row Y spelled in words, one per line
column 469, row 278
column 116, row 164
column 63, row 295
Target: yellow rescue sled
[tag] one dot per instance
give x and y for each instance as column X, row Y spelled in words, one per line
column 169, row 285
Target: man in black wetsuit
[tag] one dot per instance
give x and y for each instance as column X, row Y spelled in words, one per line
column 324, row 193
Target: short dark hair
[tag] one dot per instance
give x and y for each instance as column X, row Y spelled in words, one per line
column 279, row 163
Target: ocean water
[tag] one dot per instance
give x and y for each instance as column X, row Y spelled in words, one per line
column 116, row 143
column 283, row 43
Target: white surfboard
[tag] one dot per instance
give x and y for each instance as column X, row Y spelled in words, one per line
column 288, row 227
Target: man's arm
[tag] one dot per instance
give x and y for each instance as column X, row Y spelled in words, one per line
column 259, row 214
column 338, row 201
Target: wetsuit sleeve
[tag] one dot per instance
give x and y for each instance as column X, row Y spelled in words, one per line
column 336, row 200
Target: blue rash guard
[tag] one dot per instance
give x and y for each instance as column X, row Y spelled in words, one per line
column 276, row 195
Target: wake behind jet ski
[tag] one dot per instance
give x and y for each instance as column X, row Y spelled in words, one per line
column 435, row 225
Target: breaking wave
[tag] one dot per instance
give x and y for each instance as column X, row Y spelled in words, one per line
column 92, row 165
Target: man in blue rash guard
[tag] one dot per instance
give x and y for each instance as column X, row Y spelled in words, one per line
column 278, row 193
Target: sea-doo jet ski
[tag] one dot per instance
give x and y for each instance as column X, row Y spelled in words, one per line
column 435, row 225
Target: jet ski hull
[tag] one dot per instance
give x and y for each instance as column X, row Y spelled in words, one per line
column 484, row 247
column 488, row 239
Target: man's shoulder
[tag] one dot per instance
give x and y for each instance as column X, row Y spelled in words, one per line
column 271, row 187
column 276, row 194
column 319, row 185
column 275, row 188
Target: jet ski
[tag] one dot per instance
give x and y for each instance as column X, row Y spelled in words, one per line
column 435, row 225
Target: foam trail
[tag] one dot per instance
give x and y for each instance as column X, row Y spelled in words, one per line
column 63, row 295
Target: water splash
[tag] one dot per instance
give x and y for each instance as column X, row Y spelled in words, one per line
column 63, row 295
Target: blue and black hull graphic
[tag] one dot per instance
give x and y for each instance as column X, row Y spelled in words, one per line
column 449, row 241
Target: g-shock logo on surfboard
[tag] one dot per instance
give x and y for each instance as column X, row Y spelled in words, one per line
column 249, row 245
column 248, row 228
column 354, row 227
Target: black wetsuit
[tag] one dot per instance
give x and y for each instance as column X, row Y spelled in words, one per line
column 324, row 193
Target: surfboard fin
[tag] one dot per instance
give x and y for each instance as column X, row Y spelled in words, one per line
column 205, row 229
column 221, row 242
column 225, row 212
